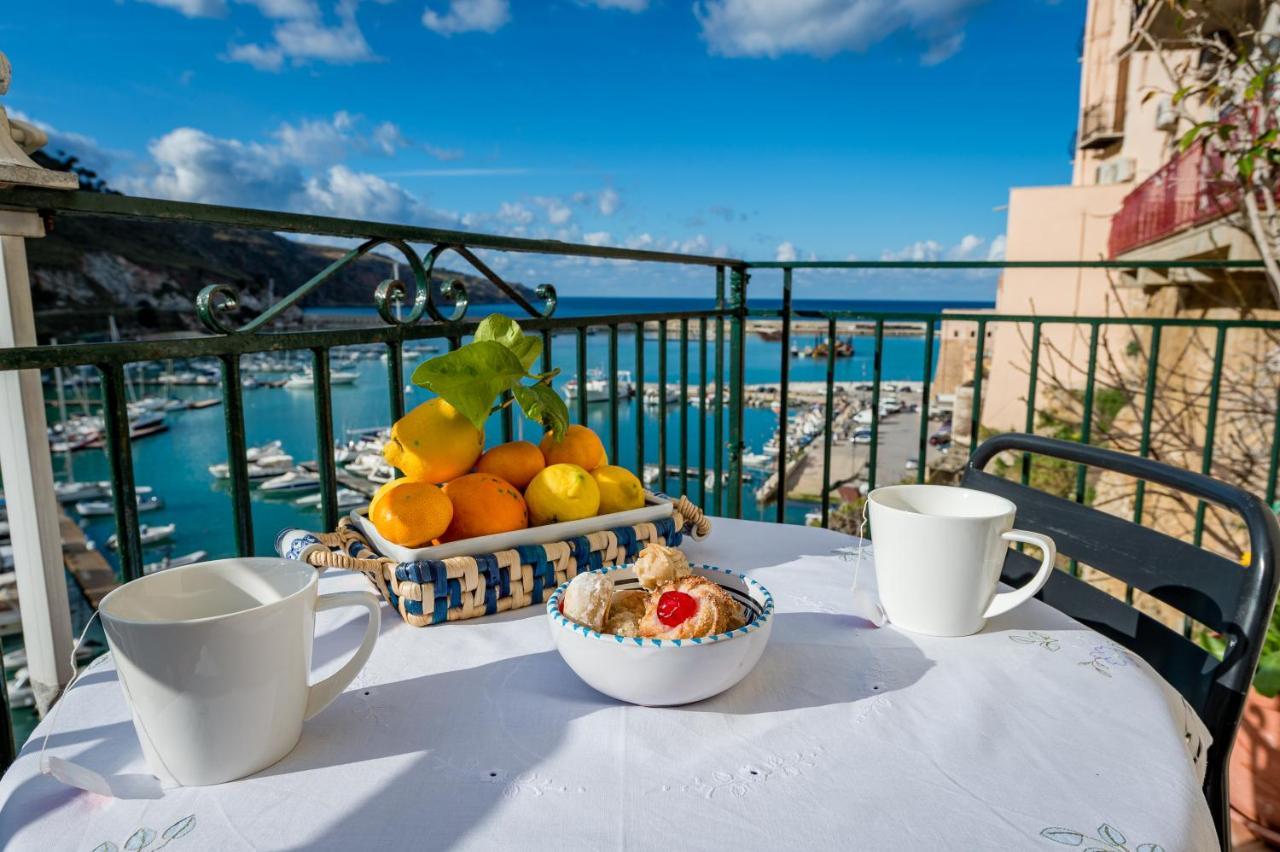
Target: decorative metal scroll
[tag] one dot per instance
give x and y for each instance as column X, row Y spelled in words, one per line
column 456, row 291
column 216, row 302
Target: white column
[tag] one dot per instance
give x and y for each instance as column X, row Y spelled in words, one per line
column 27, row 469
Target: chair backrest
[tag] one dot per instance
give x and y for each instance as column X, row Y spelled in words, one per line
column 1229, row 598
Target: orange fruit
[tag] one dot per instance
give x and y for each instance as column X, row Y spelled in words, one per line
column 579, row 446
column 433, row 442
column 484, row 504
column 410, row 512
column 518, row 462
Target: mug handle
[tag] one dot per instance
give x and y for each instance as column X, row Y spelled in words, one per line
column 1006, row 601
column 321, row 695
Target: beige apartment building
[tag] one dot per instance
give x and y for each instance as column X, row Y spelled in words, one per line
column 1134, row 196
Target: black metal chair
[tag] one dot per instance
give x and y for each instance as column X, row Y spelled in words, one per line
column 1221, row 594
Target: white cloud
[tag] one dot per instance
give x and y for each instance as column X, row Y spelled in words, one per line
column 285, row 9
column 558, row 213
column 90, row 154
column 388, row 139
column 786, row 252
column 305, row 37
column 640, row 241
column 943, row 49
column 919, row 250
column 515, row 213
column 317, row 141
column 609, row 201
column 295, row 170
column 468, row 16
column 191, row 165
column 193, row 8
column 970, row 247
column 358, row 195
column 628, row 5
column 967, row 248
column 597, row 238
column 262, row 58
column 826, row 27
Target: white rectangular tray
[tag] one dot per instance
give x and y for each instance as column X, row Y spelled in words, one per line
column 506, row 541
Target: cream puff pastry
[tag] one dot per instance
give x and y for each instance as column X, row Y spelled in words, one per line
column 657, row 565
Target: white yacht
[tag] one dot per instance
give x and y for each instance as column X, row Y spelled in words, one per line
column 148, row 534
column 598, row 386
column 291, row 480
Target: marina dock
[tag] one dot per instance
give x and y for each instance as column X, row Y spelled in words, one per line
column 92, row 573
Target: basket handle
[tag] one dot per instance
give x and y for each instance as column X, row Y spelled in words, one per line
column 694, row 520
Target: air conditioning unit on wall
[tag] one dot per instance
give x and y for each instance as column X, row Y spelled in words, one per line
column 1116, row 170
column 1166, row 115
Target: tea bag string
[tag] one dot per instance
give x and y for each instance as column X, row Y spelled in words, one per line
column 862, row 542
column 71, row 773
column 865, row 603
column 57, row 707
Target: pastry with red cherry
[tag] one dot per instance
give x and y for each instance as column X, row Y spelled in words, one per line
column 689, row 608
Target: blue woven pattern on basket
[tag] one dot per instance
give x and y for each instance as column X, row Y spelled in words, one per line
column 582, row 553
column 487, row 564
column 626, row 537
column 544, row 571
column 667, row 531
column 430, row 571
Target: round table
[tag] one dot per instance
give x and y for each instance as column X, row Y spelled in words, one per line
column 1035, row 734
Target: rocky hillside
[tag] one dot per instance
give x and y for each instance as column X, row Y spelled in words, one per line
column 147, row 274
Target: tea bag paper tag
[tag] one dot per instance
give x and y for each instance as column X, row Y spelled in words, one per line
column 131, row 786
column 864, row 604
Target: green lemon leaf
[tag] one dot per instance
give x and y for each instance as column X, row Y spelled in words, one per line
column 504, row 330
column 471, row 377
column 541, row 403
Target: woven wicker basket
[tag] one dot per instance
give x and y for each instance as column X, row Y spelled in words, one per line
column 432, row 591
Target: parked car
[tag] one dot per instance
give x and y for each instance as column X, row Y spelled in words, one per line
column 861, row 436
column 942, row 436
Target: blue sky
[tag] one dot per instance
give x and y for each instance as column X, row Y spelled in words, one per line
column 756, row 128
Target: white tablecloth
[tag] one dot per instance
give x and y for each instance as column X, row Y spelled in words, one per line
column 1035, row 734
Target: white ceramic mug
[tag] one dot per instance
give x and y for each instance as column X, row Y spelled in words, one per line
column 938, row 555
column 214, row 660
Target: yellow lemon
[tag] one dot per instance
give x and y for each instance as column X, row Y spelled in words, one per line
column 562, row 492
column 620, row 490
column 434, row 443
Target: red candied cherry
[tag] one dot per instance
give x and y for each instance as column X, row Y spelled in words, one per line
column 675, row 608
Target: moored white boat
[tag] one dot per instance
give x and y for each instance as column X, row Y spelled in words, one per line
column 347, row 499
column 98, row 508
column 598, row 386
column 292, row 480
column 174, row 561
column 148, row 534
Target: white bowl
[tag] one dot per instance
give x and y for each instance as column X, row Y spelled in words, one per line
column 661, row 672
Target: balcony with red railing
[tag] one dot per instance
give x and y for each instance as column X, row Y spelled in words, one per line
column 1185, row 192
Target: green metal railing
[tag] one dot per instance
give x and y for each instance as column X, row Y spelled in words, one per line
column 228, row 344
column 721, row 345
